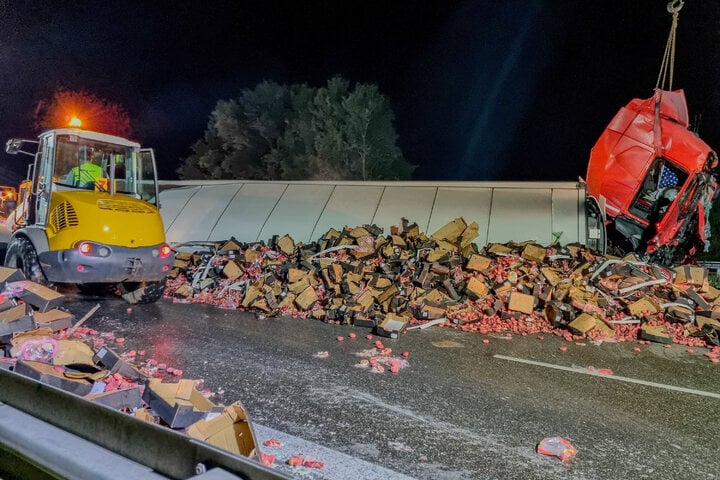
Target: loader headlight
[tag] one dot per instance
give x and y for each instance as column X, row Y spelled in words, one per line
column 93, row 249
column 85, row 248
column 165, row 251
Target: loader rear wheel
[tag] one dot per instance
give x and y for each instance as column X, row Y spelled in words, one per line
column 141, row 292
column 21, row 254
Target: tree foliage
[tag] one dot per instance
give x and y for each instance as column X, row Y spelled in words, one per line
column 95, row 113
column 298, row 132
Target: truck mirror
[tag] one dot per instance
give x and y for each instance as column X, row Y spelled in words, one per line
column 13, row 146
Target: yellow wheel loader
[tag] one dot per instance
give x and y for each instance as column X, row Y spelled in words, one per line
column 91, row 215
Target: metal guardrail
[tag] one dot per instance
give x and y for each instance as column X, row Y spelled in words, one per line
column 161, row 449
column 713, row 267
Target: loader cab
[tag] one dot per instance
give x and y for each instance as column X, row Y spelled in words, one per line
column 70, row 160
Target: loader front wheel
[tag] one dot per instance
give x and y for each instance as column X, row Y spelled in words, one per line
column 141, row 292
column 21, row 254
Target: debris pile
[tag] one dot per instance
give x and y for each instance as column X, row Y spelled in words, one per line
column 389, row 283
column 25, row 305
column 40, row 340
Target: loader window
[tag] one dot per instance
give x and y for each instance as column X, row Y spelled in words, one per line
column 79, row 162
column 658, row 190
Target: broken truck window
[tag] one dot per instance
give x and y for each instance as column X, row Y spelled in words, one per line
column 659, row 189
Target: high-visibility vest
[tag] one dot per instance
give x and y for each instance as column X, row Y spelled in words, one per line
column 86, row 173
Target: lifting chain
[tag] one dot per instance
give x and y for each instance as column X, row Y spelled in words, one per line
column 668, row 64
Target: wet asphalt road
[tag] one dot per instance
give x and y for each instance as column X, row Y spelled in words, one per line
column 460, row 409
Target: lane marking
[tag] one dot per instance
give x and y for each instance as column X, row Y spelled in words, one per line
column 610, row 377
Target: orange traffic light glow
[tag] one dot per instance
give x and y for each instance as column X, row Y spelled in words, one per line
column 75, row 122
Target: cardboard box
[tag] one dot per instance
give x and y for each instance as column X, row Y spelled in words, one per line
column 690, row 274
column 17, row 340
column 123, row 399
column 655, row 333
column 8, row 274
column 361, row 321
column 178, row 404
column 145, row 414
column 534, row 253
column 451, row 230
column 286, row 245
column 392, row 326
column 72, row 352
column 39, row 296
column 476, row 288
column 49, row 375
column 470, row 234
column 711, row 323
column 107, row 358
column 54, row 319
column 499, row 248
column 645, row 305
column 16, row 319
column 583, row 324
column 305, row 300
column 231, row 431
column 231, row 246
column 551, row 275
column 232, row 270
column 521, row 302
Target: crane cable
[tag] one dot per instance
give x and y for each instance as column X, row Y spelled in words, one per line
column 668, row 64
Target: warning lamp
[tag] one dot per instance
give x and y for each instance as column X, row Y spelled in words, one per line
column 75, row 122
column 85, row 248
column 165, row 251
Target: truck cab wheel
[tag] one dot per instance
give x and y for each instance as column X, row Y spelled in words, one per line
column 21, row 254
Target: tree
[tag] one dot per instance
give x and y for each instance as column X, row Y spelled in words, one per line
column 301, row 133
column 95, row 113
column 239, row 135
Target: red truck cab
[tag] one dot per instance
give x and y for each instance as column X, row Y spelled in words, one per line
column 656, row 178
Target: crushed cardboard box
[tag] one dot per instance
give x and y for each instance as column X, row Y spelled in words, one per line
column 49, row 375
column 230, row 430
column 178, row 404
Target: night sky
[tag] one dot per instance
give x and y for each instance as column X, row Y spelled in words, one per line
column 482, row 90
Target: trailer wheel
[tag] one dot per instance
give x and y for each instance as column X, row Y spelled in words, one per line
column 141, row 292
column 21, row 254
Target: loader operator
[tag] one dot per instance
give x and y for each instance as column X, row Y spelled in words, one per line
column 86, row 171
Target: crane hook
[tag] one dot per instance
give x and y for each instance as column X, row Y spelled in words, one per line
column 674, row 6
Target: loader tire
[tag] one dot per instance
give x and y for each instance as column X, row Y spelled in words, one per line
column 141, row 292
column 21, row 254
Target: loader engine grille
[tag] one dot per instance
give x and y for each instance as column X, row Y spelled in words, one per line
column 124, row 206
column 63, row 216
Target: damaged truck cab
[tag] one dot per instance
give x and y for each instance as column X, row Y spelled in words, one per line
column 656, row 180
column 91, row 216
